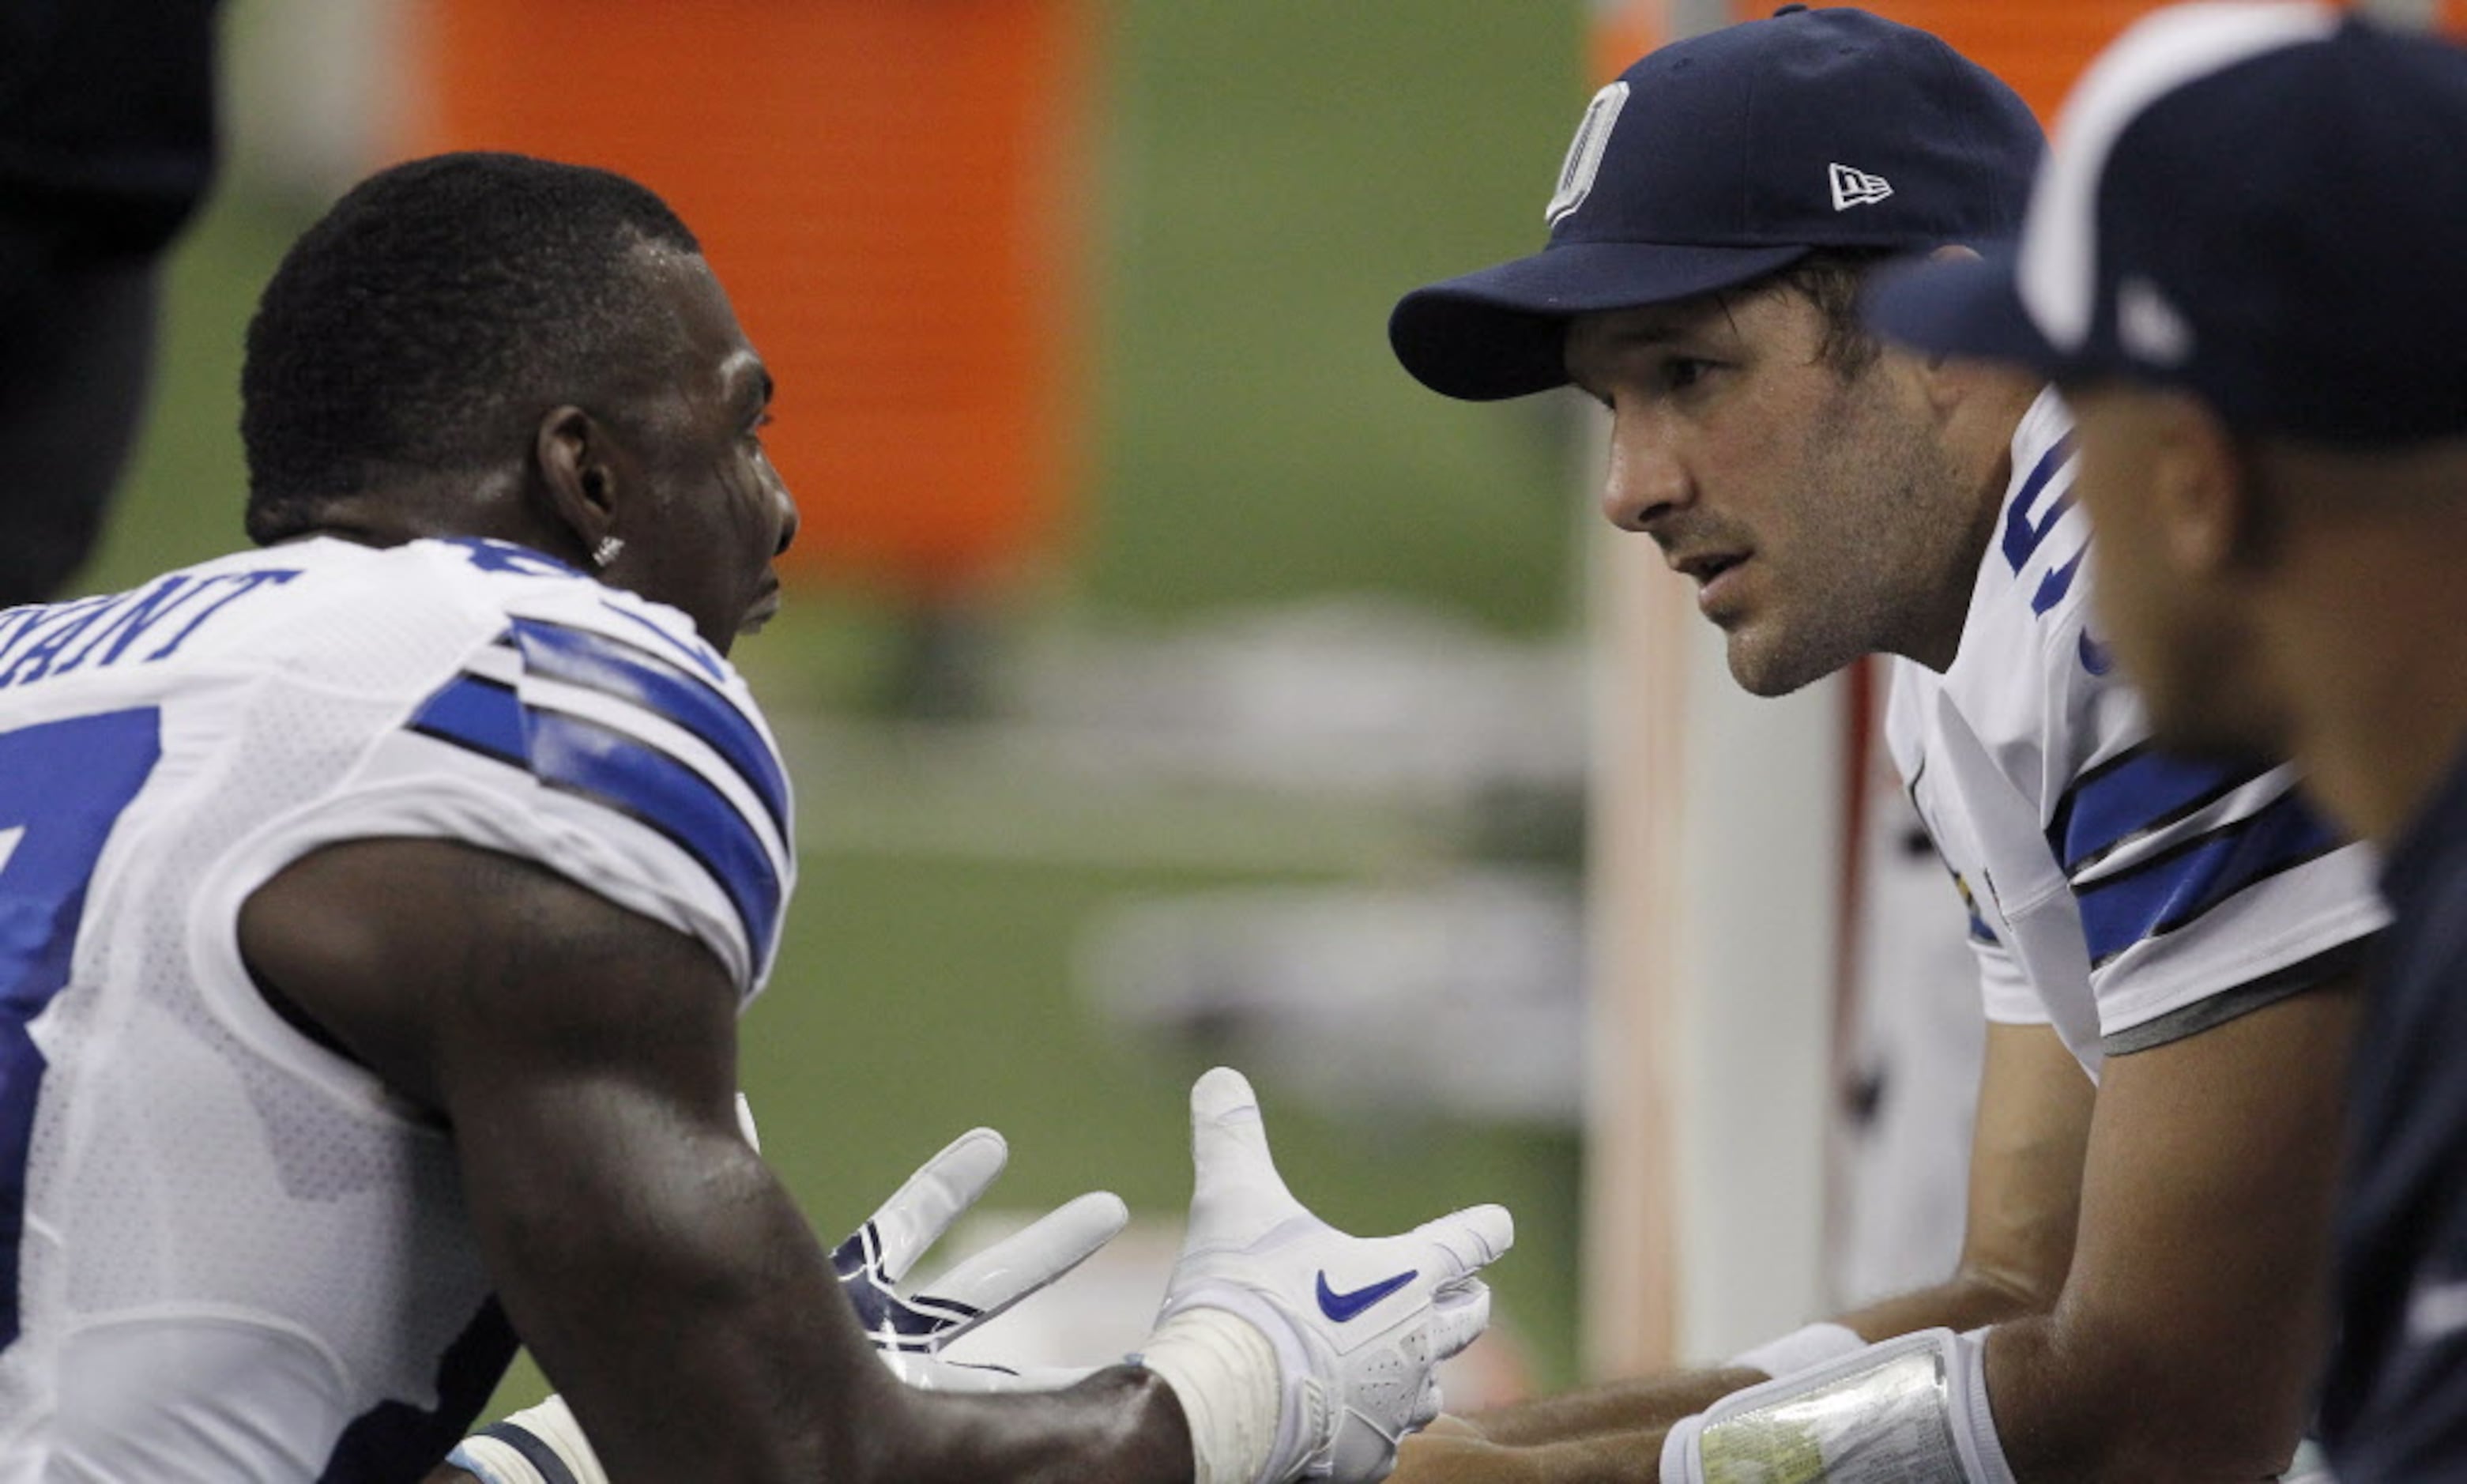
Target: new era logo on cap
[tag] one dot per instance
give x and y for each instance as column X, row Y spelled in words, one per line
column 1857, row 188
column 1705, row 166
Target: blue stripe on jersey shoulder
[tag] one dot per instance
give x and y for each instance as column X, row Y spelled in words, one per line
column 2131, row 794
column 698, row 653
column 2176, row 887
column 637, row 779
column 633, row 777
column 480, row 714
column 629, row 672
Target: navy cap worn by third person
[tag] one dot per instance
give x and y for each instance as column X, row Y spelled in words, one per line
column 1726, row 157
column 2265, row 203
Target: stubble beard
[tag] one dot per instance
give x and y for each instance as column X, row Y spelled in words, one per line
column 1881, row 548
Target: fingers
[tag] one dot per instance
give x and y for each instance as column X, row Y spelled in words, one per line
column 1235, row 1180
column 1028, row 1260
column 1426, row 1406
column 1469, row 1240
column 916, row 1217
column 1458, row 1315
column 1221, row 1092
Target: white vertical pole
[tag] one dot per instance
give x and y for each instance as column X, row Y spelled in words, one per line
column 1712, row 894
column 1636, row 864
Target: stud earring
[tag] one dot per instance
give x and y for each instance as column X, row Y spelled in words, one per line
column 606, row 550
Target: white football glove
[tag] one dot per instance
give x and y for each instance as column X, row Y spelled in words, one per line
column 527, row 1447
column 1296, row 1350
column 910, row 1331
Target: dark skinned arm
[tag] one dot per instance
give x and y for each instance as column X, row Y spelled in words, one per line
column 2154, row 1259
column 584, row 1058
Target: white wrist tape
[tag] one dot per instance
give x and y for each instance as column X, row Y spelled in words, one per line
column 1225, row 1374
column 1802, row 1349
column 1911, row 1410
column 539, row 1445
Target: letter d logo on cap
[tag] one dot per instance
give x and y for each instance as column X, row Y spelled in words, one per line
column 1585, row 152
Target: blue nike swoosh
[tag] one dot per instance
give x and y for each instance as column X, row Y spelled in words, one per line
column 1342, row 1307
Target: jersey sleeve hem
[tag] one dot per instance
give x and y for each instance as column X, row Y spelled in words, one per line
column 432, row 809
column 2318, row 972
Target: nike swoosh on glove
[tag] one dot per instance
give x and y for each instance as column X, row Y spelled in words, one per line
column 1358, row 1324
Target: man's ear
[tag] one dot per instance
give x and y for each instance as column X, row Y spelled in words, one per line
column 2200, row 490
column 578, row 479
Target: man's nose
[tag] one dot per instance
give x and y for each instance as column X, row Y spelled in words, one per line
column 1646, row 480
column 788, row 519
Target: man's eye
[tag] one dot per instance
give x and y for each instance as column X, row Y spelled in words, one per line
column 1682, row 371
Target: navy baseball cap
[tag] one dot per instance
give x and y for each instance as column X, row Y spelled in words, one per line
column 1723, row 158
column 2263, row 203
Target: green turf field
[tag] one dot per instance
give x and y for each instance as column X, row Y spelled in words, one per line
column 1274, row 174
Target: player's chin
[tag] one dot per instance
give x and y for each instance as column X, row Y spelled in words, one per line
column 759, row 617
column 1767, row 659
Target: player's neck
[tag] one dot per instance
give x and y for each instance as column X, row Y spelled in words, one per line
column 1937, row 642
column 488, row 506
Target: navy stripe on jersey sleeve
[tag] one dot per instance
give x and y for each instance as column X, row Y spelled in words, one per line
column 614, row 667
column 624, row 773
column 477, row 713
column 593, row 760
column 2131, row 796
column 2178, row 886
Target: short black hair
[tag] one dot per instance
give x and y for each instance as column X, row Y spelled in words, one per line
column 427, row 322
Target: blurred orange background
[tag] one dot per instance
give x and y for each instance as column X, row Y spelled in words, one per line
column 892, row 194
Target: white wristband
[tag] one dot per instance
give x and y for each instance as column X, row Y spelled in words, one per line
column 538, row 1445
column 1986, row 1449
column 1802, row 1349
column 1911, row 1409
column 1224, row 1372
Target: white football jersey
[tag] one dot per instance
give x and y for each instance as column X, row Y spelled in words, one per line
column 2125, row 896
column 227, row 1252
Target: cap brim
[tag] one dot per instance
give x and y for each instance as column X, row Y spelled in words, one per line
column 1499, row 332
column 1969, row 307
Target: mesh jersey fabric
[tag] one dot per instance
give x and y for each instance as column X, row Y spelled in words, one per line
column 2111, row 886
column 236, row 1252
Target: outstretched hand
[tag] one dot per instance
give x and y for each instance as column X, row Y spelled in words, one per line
column 1357, row 1325
column 911, row 1330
